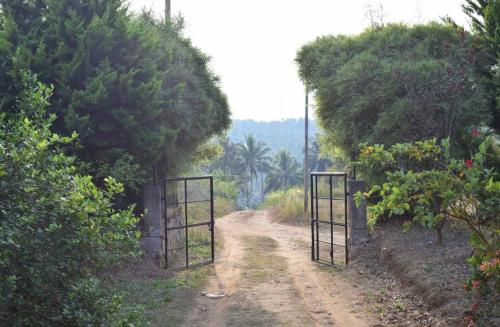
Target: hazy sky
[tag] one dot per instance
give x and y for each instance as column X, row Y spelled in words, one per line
column 253, row 43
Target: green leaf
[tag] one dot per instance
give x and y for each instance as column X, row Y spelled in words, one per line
column 42, row 145
column 407, row 226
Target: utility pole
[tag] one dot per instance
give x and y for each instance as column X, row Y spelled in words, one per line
column 168, row 11
column 306, row 154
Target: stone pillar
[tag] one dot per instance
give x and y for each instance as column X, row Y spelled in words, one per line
column 153, row 227
column 358, row 228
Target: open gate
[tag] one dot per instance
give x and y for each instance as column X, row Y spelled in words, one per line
column 329, row 218
column 189, row 222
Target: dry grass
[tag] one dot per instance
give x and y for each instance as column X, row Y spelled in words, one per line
column 288, row 207
column 223, row 207
column 261, row 263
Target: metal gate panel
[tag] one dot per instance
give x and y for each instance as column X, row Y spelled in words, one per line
column 329, row 218
column 189, row 222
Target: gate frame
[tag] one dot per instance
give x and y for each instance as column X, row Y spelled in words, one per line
column 186, row 226
column 315, row 217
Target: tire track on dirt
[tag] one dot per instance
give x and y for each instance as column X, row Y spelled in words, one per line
column 265, row 270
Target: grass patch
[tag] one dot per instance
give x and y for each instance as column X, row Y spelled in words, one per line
column 288, row 205
column 165, row 298
column 223, row 207
column 261, row 263
column 398, row 305
column 332, row 269
column 239, row 315
column 428, row 268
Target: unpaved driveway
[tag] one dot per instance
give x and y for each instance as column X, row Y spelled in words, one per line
column 266, row 271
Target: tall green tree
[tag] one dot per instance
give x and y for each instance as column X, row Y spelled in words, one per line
column 134, row 89
column 397, row 83
column 265, row 167
column 286, row 172
column 253, row 156
column 317, row 161
column 485, row 16
column 229, row 163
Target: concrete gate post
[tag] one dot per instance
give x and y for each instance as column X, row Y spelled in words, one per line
column 358, row 218
column 152, row 240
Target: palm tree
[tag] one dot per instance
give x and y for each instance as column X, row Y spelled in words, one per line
column 265, row 166
column 317, row 162
column 285, row 173
column 252, row 154
column 230, row 162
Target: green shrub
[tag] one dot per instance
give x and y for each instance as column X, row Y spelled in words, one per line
column 226, row 196
column 58, row 231
column 397, row 83
column 224, row 207
column 422, row 179
column 288, row 205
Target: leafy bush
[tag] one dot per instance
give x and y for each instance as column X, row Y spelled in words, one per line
column 134, row 88
column 225, row 189
column 288, row 204
column 397, row 83
column 223, row 207
column 485, row 19
column 422, row 179
column 226, row 196
column 57, row 229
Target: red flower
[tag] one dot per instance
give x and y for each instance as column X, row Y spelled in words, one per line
column 469, row 163
column 476, row 284
column 474, row 306
column 475, row 132
column 468, row 320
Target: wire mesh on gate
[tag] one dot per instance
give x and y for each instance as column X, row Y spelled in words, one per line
column 189, row 222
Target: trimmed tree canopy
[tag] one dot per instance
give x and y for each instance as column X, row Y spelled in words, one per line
column 136, row 91
column 485, row 17
column 396, row 84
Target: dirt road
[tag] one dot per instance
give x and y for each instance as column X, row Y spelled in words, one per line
column 265, row 270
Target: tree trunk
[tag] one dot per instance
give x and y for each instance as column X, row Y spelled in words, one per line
column 440, row 224
column 246, row 194
column 262, row 187
column 251, row 188
column 439, row 231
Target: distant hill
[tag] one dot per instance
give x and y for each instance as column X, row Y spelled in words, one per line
column 278, row 135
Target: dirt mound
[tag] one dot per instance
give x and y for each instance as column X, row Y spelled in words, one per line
column 433, row 272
